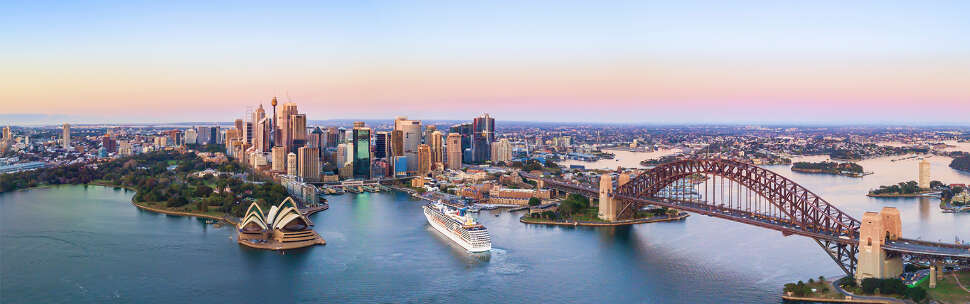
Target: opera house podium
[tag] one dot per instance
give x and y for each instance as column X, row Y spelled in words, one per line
column 284, row 227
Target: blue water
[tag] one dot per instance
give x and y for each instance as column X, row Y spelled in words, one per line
column 76, row 244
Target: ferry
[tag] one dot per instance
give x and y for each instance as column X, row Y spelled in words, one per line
column 459, row 226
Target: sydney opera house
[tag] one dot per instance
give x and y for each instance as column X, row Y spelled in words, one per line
column 284, row 227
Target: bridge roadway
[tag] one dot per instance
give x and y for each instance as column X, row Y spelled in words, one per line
column 901, row 246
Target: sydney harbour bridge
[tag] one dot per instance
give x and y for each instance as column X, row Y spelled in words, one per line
column 745, row 193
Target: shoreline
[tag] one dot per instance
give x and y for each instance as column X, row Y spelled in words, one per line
column 524, row 219
column 827, row 300
column 900, row 195
column 163, row 211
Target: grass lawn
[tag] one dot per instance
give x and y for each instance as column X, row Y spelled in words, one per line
column 823, row 290
column 947, row 290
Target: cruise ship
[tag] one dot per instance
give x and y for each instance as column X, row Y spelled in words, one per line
column 458, row 226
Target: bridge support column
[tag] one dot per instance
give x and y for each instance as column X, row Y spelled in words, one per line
column 607, row 208
column 876, row 230
column 933, row 276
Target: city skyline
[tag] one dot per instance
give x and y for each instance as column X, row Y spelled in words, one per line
column 753, row 62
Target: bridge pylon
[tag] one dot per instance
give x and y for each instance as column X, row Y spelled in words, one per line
column 878, row 228
column 609, row 206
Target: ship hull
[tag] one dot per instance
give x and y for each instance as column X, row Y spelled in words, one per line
column 429, row 215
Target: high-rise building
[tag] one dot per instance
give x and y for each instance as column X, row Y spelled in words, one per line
column 924, row 174
column 382, row 145
column 240, row 125
column 411, row 138
column 261, row 131
column 342, row 135
column 8, row 136
column 333, row 139
column 291, row 164
column 501, row 151
column 65, row 136
column 317, row 139
column 298, row 134
column 124, row 148
column 109, row 145
column 397, row 143
column 309, row 164
column 285, row 125
column 340, row 158
column 191, row 136
column 483, row 134
column 436, row 142
column 465, row 130
column 424, row 160
column 279, row 159
column 257, row 132
column 361, row 153
column 454, row 151
column 428, row 131
column 208, row 135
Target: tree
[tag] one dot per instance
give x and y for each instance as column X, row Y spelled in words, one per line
column 869, row 285
column 535, row 201
column 892, row 286
column 936, row 184
column 202, row 191
column 176, row 201
column 916, row 294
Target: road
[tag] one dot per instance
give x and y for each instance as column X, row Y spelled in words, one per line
column 847, row 294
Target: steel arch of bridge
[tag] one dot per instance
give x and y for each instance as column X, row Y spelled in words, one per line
column 802, row 212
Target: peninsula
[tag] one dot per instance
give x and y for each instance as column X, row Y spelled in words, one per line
column 834, row 168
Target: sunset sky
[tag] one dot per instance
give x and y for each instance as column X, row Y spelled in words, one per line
column 639, row 62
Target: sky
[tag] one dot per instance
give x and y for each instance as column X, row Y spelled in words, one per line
column 587, row 61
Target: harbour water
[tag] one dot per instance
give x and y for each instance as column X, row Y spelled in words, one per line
column 76, row 244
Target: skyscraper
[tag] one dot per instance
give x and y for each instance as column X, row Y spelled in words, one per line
column 454, row 151
column 397, row 143
column 411, row 131
column 424, row 160
column 340, row 159
column 382, row 145
column 333, row 139
column 298, row 132
column 435, row 141
column 255, row 132
column 465, row 130
column 483, row 134
column 260, row 139
column 285, row 126
column 317, row 140
column 361, row 157
column 279, row 159
column 309, row 163
column 65, row 136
